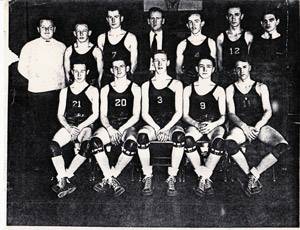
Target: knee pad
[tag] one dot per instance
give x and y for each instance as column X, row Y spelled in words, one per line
column 178, row 139
column 217, row 146
column 55, row 149
column 280, row 149
column 143, row 141
column 232, row 147
column 189, row 144
column 84, row 149
column 129, row 148
column 96, row 145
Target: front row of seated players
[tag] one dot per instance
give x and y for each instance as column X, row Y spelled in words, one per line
column 203, row 110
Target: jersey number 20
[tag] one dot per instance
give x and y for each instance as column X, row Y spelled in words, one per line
column 120, row 102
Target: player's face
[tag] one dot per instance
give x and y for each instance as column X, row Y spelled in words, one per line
column 156, row 21
column 205, row 68
column 82, row 33
column 234, row 16
column 161, row 63
column 114, row 19
column 46, row 29
column 269, row 22
column 79, row 71
column 242, row 69
column 119, row 69
column 195, row 24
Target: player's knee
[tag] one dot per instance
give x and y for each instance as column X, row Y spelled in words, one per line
column 232, row 147
column 281, row 149
column 189, row 144
column 217, row 146
column 96, row 145
column 178, row 139
column 84, row 149
column 55, row 149
column 129, row 148
column 143, row 141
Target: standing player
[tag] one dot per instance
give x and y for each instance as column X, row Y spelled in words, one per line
column 83, row 51
column 77, row 110
column 161, row 110
column 232, row 44
column 204, row 112
column 120, row 111
column 117, row 43
column 190, row 49
column 249, row 112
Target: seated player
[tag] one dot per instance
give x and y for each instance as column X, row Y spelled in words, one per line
column 204, row 111
column 249, row 112
column 77, row 110
column 120, row 111
column 161, row 110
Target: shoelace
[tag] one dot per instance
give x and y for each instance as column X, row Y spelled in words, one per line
column 171, row 184
column 251, row 182
column 148, row 182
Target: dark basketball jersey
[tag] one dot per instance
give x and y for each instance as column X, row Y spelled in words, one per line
column 120, row 106
column 204, row 107
column 89, row 60
column 232, row 51
column 193, row 53
column 161, row 104
column 248, row 107
column 110, row 51
column 78, row 108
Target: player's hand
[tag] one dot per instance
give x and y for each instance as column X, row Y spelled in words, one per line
column 249, row 132
column 206, row 127
column 115, row 136
column 254, row 132
column 163, row 135
column 74, row 131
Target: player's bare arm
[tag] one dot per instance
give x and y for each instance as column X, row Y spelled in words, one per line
column 212, row 47
column 249, row 39
column 132, row 45
column 101, row 41
column 97, row 53
column 67, row 63
column 136, row 110
column 179, row 56
column 220, row 40
column 145, row 107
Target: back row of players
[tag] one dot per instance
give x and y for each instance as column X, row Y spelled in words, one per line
column 230, row 45
column 163, row 102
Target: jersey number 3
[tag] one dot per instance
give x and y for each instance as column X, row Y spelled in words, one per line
column 120, row 102
column 159, row 100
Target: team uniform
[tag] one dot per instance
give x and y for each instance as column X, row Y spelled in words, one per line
column 111, row 51
column 192, row 54
column 89, row 60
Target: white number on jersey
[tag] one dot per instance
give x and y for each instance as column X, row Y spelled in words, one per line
column 120, row 102
column 76, row 104
column 159, row 100
column 202, row 105
column 235, row 50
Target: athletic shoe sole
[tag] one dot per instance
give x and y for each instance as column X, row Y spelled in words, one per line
column 199, row 192
column 99, row 189
column 171, row 193
column 119, row 192
column 67, row 192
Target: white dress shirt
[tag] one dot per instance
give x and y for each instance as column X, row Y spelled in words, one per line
column 41, row 62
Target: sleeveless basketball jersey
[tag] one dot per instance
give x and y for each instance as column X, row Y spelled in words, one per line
column 193, row 53
column 204, row 107
column 232, row 51
column 89, row 60
column 161, row 104
column 120, row 106
column 78, row 108
column 248, row 107
column 110, row 51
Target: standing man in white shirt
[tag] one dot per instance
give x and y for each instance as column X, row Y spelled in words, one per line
column 41, row 63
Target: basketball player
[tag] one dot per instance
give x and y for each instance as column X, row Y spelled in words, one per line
column 204, row 112
column 83, row 51
column 117, row 42
column 77, row 110
column 120, row 111
column 161, row 110
column 249, row 111
column 190, row 49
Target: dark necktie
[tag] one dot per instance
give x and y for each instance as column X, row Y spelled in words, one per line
column 270, row 36
column 154, row 43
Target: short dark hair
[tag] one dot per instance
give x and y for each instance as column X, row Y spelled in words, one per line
column 189, row 13
column 208, row 58
column 160, row 52
column 79, row 63
column 114, row 8
column 234, row 5
column 119, row 58
column 82, row 22
column 270, row 11
column 244, row 58
column 156, row 9
column 45, row 19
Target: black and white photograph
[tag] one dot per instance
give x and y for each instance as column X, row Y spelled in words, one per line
column 151, row 114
